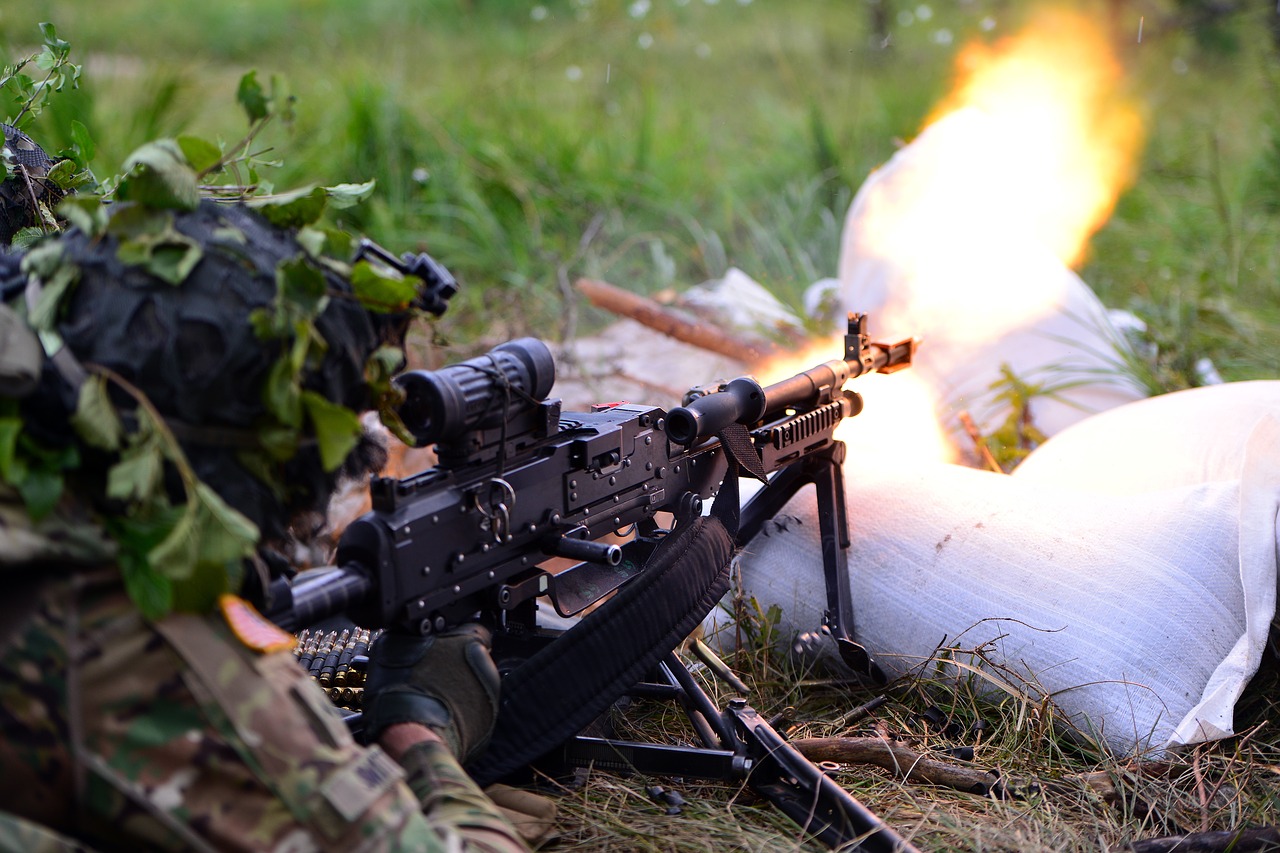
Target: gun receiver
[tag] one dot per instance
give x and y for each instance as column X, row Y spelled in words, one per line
column 519, row 481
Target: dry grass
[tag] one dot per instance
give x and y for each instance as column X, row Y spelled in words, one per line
column 1063, row 793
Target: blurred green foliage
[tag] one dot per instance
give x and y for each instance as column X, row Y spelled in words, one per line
column 654, row 143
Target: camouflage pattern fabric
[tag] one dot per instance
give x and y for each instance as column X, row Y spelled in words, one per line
column 173, row 736
column 66, row 536
column 23, row 836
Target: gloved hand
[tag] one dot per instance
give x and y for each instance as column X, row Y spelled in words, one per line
column 447, row 682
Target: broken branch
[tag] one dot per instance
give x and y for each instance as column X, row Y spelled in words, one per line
column 901, row 760
column 647, row 312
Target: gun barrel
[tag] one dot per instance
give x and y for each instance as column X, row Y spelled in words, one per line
column 318, row 595
column 807, row 388
column 744, row 401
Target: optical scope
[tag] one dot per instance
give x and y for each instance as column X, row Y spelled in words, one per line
column 443, row 405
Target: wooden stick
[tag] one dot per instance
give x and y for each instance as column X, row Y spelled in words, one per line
column 647, row 312
column 979, row 444
column 902, row 761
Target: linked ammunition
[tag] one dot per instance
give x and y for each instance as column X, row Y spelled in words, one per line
column 359, row 645
column 330, row 663
column 322, row 653
column 308, row 652
column 337, row 662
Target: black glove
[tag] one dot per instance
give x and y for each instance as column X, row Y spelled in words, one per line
column 447, row 682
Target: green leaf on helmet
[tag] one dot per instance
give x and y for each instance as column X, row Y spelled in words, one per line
column 173, row 260
column 95, row 419
column 293, row 209
column 251, row 97
column 41, row 489
column 262, row 465
column 138, row 222
column 86, row 212
column 228, row 235
column 301, row 288
column 25, row 238
column 337, row 429
column 198, row 592
column 266, row 324
column 151, row 591
column 308, row 347
column 383, row 363
column 175, row 555
column 342, row 196
column 383, row 289
column 311, row 239
column 136, row 477
column 44, row 314
column 226, row 536
column 10, row 429
column 149, row 240
column 45, row 260
column 65, row 176
column 200, row 153
column 280, row 444
column 158, row 176
column 333, row 245
column 281, row 393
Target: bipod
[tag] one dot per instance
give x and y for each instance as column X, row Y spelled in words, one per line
column 738, row 744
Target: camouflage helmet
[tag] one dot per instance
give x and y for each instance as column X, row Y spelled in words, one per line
column 254, row 349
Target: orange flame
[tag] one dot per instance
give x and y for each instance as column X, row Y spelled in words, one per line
column 1066, row 139
column 965, row 234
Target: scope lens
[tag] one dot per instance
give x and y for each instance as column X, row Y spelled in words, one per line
column 441, row 405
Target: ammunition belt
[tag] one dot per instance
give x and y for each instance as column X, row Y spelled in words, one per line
column 337, row 661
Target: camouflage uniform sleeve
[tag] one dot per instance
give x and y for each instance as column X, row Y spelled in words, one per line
column 453, row 804
column 186, row 740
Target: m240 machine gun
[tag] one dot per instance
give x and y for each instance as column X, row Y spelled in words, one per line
column 621, row 490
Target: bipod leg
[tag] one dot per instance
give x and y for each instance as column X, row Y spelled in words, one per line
column 825, row 471
column 751, row 749
column 807, row 795
column 721, row 756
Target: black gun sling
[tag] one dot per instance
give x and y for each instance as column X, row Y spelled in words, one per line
column 570, row 682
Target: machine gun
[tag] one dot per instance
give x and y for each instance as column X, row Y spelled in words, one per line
column 519, row 481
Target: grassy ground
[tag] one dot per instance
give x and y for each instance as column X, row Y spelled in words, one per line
column 1060, row 794
column 654, row 144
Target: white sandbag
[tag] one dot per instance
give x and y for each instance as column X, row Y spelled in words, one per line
column 978, row 288
column 1192, row 436
column 1141, row 616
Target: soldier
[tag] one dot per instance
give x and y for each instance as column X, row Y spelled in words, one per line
column 143, row 704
